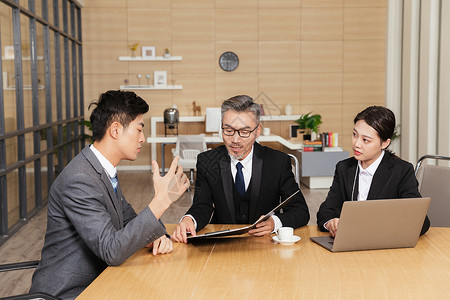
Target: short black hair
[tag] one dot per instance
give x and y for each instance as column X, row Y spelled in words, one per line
column 120, row 106
column 380, row 118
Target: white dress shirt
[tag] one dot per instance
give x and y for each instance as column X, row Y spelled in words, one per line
column 365, row 180
column 366, row 177
column 109, row 168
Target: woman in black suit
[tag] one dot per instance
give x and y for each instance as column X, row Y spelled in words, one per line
column 373, row 172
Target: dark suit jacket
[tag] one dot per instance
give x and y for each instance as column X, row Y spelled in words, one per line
column 89, row 227
column 393, row 179
column 272, row 178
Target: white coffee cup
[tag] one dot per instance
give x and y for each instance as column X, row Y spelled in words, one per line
column 266, row 131
column 285, row 233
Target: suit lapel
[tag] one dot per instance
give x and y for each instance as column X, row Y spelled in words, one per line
column 381, row 176
column 257, row 165
column 352, row 181
column 90, row 156
column 112, row 195
column 227, row 183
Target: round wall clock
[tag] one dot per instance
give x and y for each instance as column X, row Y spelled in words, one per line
column 229, row 61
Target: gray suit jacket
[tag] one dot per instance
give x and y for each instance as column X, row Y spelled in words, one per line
column 89, row 227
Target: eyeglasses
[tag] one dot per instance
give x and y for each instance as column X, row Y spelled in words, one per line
column 228, row 131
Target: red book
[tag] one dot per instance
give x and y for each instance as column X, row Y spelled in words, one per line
column 330, row 139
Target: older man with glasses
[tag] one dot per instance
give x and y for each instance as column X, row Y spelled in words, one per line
column 240, row 181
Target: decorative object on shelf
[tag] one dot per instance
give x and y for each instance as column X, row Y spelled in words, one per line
column 160, row 78
column 126, row 81
column 148, row 79
column 288, row 109
column 166, row 53
column 133, row 49
column 9, row 52
column 139, row 76
column 306, row 124
column 229, row 61
column 148, row 51
column 262, row 109
column 197, row 109
column 171, row 119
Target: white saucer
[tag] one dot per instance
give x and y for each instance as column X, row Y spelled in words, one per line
column 292, row 241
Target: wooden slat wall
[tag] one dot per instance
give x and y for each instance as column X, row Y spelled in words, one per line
column 325, row 56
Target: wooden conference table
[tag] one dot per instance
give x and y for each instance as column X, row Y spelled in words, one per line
column 248, row 267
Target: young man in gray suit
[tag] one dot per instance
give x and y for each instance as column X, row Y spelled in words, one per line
column 90, row 224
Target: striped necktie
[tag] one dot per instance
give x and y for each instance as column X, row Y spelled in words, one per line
column 114, row 182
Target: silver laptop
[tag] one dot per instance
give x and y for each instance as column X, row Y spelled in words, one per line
column 377, row 224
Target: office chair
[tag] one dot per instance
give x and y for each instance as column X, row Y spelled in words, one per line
column 434, row 182
column 188, row 147
column 30, row 296
column 295, row 168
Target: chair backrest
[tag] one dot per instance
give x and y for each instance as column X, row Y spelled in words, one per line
column 295, row 168
column 190, row 153
column 434, row 182
column 189, row 142
column 188, row 147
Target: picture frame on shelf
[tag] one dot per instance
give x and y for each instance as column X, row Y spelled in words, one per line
column 148, row 51
column 159, row 78
column 9, row 52
column 293, row 131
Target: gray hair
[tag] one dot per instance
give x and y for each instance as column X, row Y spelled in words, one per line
column 242, row 103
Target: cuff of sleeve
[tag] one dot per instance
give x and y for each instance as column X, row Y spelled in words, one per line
column 277, row 222
column 155, row 227
column 325, row 224
column 193, row 219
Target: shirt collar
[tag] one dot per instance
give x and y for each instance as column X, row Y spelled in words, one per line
column 246, row 162
column 373, row 167
column 109, row 168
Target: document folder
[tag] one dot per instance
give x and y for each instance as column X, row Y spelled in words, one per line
column 239, row 231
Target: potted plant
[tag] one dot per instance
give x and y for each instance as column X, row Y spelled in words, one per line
column 308, row 123
column 166, row 53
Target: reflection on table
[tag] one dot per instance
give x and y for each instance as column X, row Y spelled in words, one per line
column 248, row 267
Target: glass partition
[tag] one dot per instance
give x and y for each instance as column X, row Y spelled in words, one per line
column 40, row 104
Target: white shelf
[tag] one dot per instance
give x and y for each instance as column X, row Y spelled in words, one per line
column 23, row 58
column 151, row 87
column 157, row 58
column 26, row 87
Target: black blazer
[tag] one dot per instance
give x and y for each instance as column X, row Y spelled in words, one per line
column 393, row 179
column 272, row 178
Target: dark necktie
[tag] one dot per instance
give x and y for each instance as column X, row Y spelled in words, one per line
column 114, row 183
column 239, row 182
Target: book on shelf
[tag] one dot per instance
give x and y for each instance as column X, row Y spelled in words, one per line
column 330, row 139
column 332, row 149
column 312, row 146
column 312, row 143
column 312, row 149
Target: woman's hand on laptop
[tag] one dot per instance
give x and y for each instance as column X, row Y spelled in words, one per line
column 332, row 226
